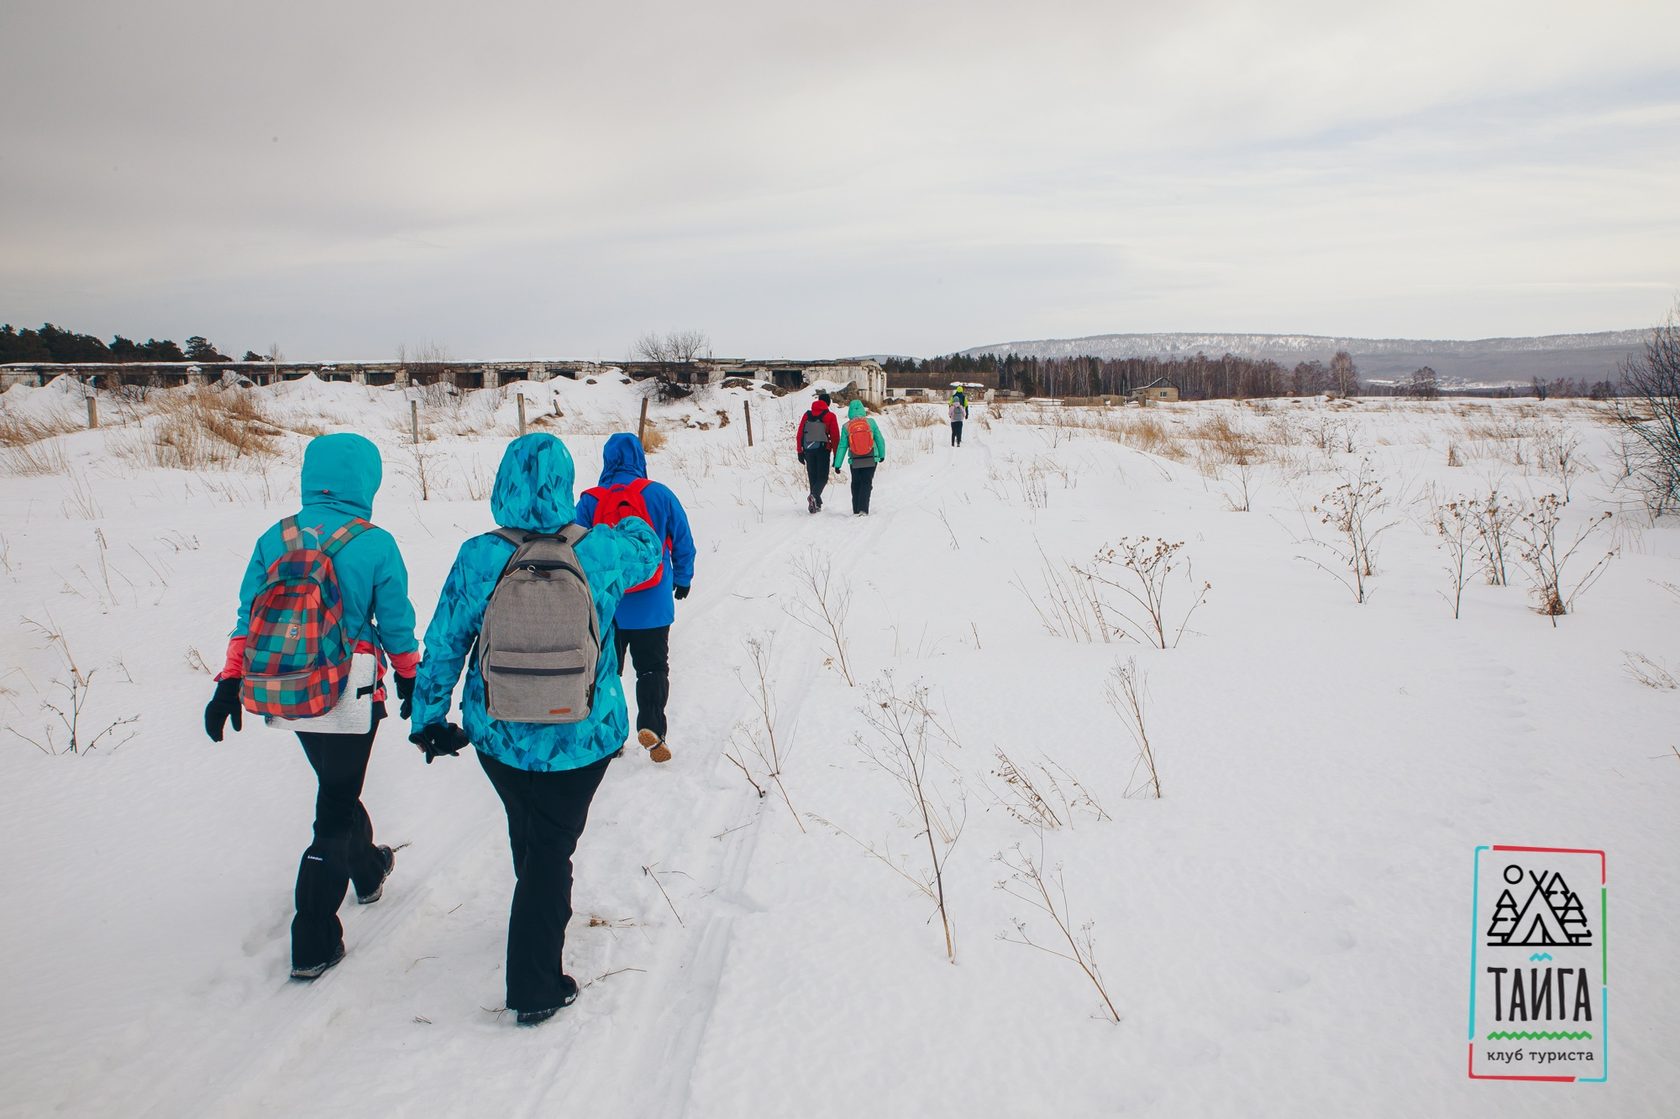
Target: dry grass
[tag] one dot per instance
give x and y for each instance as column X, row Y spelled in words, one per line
column 1223, row 445
column 194, row 430
column 1148, row 434
column 20, row 431
column 34, row 459
column 909, row 416
column 652, row 438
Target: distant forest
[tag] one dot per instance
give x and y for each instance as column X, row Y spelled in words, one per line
column 1197, row 378
column 54, row 344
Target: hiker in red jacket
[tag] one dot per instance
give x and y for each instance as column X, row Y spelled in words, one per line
column 816, row 435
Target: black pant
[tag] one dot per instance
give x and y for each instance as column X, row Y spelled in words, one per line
column 863, row 480
column 816, row 469
column 546, row 813
column 956, row 433
column 652, row 650
column 343, row 850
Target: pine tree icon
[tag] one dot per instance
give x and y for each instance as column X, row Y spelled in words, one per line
column 1504, row 923
column 1572, row 916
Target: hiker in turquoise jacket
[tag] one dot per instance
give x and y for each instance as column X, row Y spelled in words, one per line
column 341, row 474
column 863, row 469
column 546, row 774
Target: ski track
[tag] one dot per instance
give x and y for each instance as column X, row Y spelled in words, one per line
column 651, row 1073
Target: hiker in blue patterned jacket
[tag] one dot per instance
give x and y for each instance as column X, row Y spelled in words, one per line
column 369, row 595
column 642, row 626
column 542, row 704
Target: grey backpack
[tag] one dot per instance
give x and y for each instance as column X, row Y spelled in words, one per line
column 813, row 433
column 539, row 643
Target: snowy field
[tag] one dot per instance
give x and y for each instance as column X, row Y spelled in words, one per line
column 1282, row 932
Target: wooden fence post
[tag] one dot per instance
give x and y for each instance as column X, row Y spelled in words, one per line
column 746, row 406
column 93, row 410
column 414, row 420
column 641, row 426
column 521, row 397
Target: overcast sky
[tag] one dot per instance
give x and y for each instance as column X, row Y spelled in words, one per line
column 553, row 178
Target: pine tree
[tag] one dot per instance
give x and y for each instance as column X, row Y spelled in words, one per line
column 199, row 348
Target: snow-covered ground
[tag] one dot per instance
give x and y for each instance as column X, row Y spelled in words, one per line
column 1283, row 932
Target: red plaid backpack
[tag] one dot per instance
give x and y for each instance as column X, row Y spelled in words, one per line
column 297, row 653
column 613, row 504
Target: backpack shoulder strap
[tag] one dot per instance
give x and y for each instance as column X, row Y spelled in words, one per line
column 291, row 535
column 638, row 485
column 513, row 536
column 569, row 535
column 345, row 533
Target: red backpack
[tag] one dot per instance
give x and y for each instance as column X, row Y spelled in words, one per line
column 613, row 504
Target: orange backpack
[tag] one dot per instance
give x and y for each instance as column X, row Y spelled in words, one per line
column 860, row 439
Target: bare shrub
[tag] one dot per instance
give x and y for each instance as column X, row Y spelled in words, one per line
column 1547, row 560
column 1127, row 692
column 759, row 739
column 1026, row 883
column 1140, row 570
column 1022, row 798
column 1455, row 525
column 1042, row 794
column 903, row 726
column 1650, row 673
column 69, row 734
column 1353, row 509
column 1492, row 518
column 1650, row 410
column 823, row 608
column 1066, row 603
column 652, row 438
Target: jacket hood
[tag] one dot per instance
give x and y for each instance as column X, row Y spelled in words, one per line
column 533, row 488
column 622, row 460
column 342, row 473
column 818, row 407
column 856, row 410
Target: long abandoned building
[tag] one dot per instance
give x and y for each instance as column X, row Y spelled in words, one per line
column 865, row 375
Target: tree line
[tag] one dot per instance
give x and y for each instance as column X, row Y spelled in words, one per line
column 50, row 343
column 1198, row 377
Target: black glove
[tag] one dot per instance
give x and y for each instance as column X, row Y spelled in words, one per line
column 405, row 692
column 439, row 739
column 224, row 705
column 680, row 593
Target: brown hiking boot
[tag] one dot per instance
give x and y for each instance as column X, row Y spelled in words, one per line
column 654, row 745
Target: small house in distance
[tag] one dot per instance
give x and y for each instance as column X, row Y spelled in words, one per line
column 1160, row 389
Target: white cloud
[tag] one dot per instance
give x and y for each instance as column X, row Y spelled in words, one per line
column 530, row 178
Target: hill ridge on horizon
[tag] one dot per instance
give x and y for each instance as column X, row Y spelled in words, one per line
column 1593, row 354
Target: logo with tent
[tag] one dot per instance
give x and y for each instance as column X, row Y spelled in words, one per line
column 1550, row 915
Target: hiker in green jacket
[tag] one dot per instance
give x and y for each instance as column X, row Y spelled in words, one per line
column 861, row 442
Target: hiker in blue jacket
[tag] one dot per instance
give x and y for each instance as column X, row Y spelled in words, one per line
column 341, row 474
column 642, row 626
column 546, row 774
